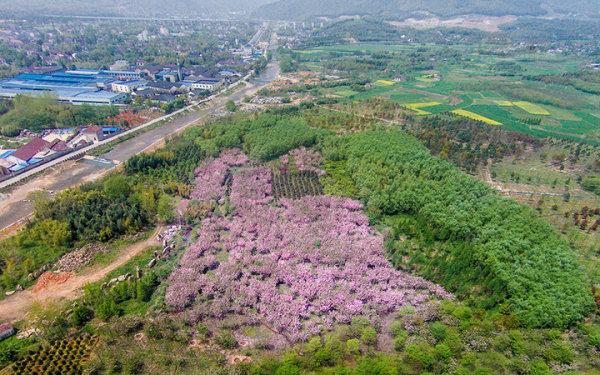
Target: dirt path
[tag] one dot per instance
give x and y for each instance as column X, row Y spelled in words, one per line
column 15, row 307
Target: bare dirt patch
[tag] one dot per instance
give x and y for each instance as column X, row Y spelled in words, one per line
column 50, row 279
column 15, row 307
column 485, row 23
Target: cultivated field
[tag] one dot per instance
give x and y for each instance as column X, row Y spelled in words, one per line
column 504, row 88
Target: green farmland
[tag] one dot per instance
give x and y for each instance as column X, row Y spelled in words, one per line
column 502, row 87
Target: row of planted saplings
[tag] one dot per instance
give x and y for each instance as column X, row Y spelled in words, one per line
column 297, row 185
column 61, row 357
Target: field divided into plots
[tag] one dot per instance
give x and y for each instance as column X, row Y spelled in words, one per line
column 477, row 88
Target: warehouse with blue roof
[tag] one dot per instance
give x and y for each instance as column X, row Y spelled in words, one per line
column 75, row 87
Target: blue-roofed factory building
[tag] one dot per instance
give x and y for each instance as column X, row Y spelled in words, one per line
column 74, row 86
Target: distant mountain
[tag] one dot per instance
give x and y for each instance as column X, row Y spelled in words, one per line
column 131, row 8
column 303, row 9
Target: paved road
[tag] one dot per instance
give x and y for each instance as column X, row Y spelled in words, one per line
column 16, row 208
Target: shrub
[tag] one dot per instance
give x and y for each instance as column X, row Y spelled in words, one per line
column 81, row 315
column 353, row 347
column 560, row 352
column 438, row 331
column 421, row 355
column 274, row 141
column 129, row 324
column 594, row 339
column 153, row 331
column 226, row 340
column 145, row 287
column 369, row 336
column 288, row 369
column 202, row 331
column 442, row 351
column 400, row 340
column 133, row 365
column 396, row 328
column 592, row 184
column 165, row 208
column 314, row 344
column 538, row 367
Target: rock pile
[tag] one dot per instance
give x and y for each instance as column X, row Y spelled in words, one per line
column 167, row 238
column 267, row 100
column 35, row 274
column 75, row 260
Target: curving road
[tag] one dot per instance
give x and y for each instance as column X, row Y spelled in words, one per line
column 15, row 207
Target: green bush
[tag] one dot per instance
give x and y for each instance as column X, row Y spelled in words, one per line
column 368, row 336
column 353, row 347
column 538, row 367
column 133, row 365
column 591, row 183
column 421, row 355
column 274, row 141
column 560, row 352
column 400, row 340
column 108, row 309
column 442, row 351
column 145, row 287
column 438, row 331
column 288, row 369
column 81, row 315
column 226, row 340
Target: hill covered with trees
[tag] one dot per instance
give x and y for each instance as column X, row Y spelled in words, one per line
column 301, row 9
column 131, row 8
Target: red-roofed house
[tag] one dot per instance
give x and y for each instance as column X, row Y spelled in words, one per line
column 58, row 145
column 34, row 147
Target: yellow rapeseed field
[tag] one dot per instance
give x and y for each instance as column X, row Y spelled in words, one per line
column 531, row 108
column 417, row 107
column 384, row 82
column 475, row 116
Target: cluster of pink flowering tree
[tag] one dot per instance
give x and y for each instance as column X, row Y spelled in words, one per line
column 300, row 267
column 305, row 160
column 252, row 187
column 212, row 173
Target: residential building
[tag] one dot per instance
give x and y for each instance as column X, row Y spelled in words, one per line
column 156, row 96
column 168, row 76
column 229, row 73
column 60, row 134
column 92, row 134
column 166, row 87
column 26, row 153
column 127, row 87
column 210, row 84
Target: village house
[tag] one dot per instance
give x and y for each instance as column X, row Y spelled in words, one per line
column 30, row 152
column 127, row 87
column 60, row 134
column 210, row 84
